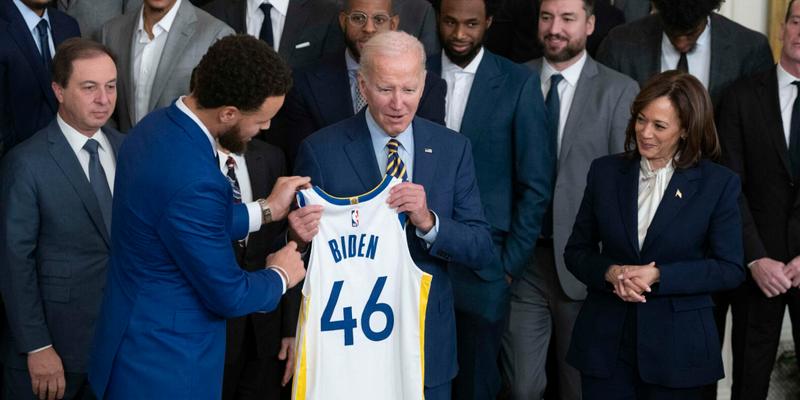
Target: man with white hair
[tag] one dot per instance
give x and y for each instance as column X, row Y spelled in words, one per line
column 440, row 198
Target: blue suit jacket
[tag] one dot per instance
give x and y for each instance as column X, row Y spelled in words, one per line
column 27, row 102
column 340, row 159
column 695, row 239
column 172, row 278
column 515, row 163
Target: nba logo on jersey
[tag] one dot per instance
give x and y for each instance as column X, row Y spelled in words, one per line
column 361, row 329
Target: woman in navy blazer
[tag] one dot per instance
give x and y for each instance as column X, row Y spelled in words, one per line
column 658, row 231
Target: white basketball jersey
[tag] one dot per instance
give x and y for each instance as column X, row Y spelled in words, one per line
column 361, row 329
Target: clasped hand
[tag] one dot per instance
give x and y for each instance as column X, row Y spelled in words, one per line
column 631, row 282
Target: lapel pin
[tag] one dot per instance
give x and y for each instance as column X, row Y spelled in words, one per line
column 428, row 150
column 678, row 194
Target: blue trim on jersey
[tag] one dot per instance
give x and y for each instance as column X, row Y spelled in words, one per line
column 301, row 200
column 402, row 217
column 346, row 201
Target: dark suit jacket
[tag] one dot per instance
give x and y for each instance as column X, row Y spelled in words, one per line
column 311, row 29
column 635, row 50
column 340, row 159
column 54, row 250
column 27, row 102
column 265, row 164
column 515, row 164
column 754, row 145
column 321, row 97
column 695, row 241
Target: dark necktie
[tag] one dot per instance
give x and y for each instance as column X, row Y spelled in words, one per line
column 97, row 178
column 394, row 164
column 237, row 193
column 44, row 42
column 683, row 64
column 266, row 27
column 553, row 105
column 794, row 134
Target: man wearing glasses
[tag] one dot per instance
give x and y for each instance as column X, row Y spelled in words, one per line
column 316, row 99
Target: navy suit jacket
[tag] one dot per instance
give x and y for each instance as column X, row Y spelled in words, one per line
column 27, row 102
column 321, row 97
column 515, row 163
column 340, row 159
column 695, row 239
column 54, row 249
column 173, row 278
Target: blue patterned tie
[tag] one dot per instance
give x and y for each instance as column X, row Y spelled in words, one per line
column 44, row 42
column 394, row 164
column 237, row 192
column 97, row 178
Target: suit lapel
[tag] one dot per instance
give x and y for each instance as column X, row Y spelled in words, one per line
column 579, row 101
column 627, row 195
column 128, row 33
column 769, row 101
column 177, row 39
column 334, row 82
column 682, row 187
column 296, row 18
column 720, row 47
column 65, row 158
column 257, row 169
column 483, row 97
column 426, row 156
column 361, row 153
column 19, row 31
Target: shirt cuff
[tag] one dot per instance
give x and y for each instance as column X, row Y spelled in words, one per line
column 751, row 264
column 40, row 349
column 254, row 216
column 430, row 237
column 276, row 270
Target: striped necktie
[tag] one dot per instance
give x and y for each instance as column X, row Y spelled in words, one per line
column 394, row 165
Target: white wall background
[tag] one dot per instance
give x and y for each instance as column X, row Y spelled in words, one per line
column 750, row 13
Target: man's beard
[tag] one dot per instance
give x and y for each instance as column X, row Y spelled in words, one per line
column 569, row 51
column 232, row 141
column 465, row 58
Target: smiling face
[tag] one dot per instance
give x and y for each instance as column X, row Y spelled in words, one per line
column 87, row 101
column 363, row 19
column 563, row 28
column 462, row 25
column 392, row 89
column 658, row 131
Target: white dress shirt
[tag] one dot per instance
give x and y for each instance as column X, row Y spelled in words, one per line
column 699, row 59
column 255, row 18
column 32, row 20
column 459, row 84
column 786, row 93
column 652, row 185
column 105, row 153
column 146, row 57
column 566, row 90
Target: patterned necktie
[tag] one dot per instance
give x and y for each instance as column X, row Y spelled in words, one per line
column 683, row 64
column 394, row 164
column 237, row 193
column 97, row 178
column 44, row 42
column 266, row 27
column 359, row 102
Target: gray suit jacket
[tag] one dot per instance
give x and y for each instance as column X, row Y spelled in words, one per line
column 635, row 50
column 192, row 33
column 53, row 249
column 92, row 14
column 595, row 127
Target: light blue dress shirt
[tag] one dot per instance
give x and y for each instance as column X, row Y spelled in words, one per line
column 31, row 20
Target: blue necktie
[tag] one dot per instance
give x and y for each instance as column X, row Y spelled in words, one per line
column 266, row 27
column 44, row 42
column 97, row 178
column 394, row 164
column 237, row 192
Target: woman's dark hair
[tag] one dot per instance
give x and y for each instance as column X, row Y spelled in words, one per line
column 695, row 112
column 240, row 71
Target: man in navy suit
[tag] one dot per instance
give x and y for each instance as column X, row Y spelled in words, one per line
column 27, row 103
column 173, row 277
column 326, row 93
column 441, row 199
column 497, row 104
column 54, row 238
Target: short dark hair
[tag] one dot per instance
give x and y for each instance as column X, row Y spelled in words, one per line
column 75, row 49
column 684, row 15
column 788, row 11
column 240, row 71
column 695, row 112
column 588, row 7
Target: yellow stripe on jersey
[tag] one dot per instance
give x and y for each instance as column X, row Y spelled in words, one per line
column 424, row 290
column 300, row 381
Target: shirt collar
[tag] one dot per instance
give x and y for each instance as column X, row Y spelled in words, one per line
column 471, row 68
column 352, row 64
column 282, row 6
column 183, row 107
column 77, row 140
column 785, row 79
column 30, row 17
column 380, row 138
column 163, row 25
column 571, row 74
column 223, row 159
column 648, row 172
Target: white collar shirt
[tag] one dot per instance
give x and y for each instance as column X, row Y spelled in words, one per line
column 105, row 152
column 566, row 90
column 699, row 59
column 146, row 56
column 459, row 84
column 255, row 18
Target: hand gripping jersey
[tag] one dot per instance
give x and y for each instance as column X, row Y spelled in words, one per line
column 361, row 329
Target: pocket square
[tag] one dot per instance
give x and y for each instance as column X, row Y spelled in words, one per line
column 302, row 45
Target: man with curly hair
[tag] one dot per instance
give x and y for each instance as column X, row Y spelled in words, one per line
column 687, row 35
column 173, row 277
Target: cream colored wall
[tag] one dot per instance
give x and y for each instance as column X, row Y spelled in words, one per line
column 750, row 13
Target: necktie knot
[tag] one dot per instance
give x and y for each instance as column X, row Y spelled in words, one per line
column 230, row 163
column 91, row 146
column 395, row 166
column 265, row 8
column 796, row 83
column 556, row 79
column 42, row 26
column 393, row 145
